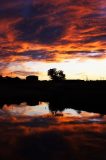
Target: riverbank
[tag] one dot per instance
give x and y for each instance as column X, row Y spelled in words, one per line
column 81, row 95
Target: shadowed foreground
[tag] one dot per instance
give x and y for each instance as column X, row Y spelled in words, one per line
column 32, row 132
column 80, row 95
column 79, row 136
column 52, row 138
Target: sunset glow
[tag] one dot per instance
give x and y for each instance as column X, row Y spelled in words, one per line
column 66, row 34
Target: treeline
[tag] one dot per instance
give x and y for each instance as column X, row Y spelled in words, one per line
column 17, row 79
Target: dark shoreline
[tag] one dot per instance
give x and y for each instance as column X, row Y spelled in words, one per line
column 78, row 94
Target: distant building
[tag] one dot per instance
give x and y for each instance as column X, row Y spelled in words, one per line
column 32, row 78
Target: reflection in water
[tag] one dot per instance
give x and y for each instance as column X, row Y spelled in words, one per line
column 24, row 109
column 43, row 108
column 31, row 132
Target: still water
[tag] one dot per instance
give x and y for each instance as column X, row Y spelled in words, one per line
column 40, row 132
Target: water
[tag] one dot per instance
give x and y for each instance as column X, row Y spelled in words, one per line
column 42, row 131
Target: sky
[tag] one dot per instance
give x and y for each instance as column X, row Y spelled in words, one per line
column 36, row 35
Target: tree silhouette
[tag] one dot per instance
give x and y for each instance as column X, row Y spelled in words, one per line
column 56, row 75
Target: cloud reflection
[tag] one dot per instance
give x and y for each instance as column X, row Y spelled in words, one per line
column 52, row 138
column 72, row 135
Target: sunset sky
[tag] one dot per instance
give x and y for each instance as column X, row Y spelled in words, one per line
column 36, row 35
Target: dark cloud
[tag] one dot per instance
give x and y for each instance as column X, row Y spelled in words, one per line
column 89, row 54
column 41, row 9
column 10, row 48
column 101, row 38
column 28, row 28
column 38, row 54
column 3, row 35
column 64, row 42
column 50, row 34
column 24, row 56
column 6, row 54
column 80, row 3
column 10, row 13
column 38, row 30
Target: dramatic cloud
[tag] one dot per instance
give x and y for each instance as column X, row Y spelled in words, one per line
column 51, row 30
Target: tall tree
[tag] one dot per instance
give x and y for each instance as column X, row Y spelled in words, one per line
column 56, row 75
